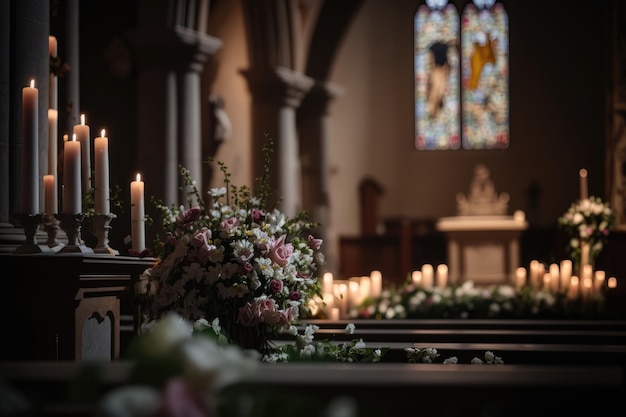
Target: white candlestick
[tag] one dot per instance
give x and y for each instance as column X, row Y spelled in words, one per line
column 442, row 275
column 50, row 193
column 53, row 97
column 137, row 211
column 72, row 202
column 376, row 279
column 583, row 184
column 53, row 147
column 30, row 149
column 82, row 135
column 101, row 166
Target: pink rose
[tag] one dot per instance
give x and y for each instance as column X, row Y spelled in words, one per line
column 295, row 295
column 279, row 251
column 181, row 400
column 190, row 215
column 276, row 286
column 229, row 224
column 256, row 215
column 249, row 315
column 286, row 316
column 314, row 243
column 201, row 238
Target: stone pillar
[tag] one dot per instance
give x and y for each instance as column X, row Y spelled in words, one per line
column 169, row 59
column 276, row 95
column 313, row 128
column 25, row 43
column 69, row 52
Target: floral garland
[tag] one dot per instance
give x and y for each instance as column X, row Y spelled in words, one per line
column 587, row 221
column 252, row 268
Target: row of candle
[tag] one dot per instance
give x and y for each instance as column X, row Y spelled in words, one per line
column 76, row 168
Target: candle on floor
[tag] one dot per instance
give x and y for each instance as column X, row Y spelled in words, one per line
column 101, row 166
column 72, row 201
column 137, row 212
column 82, row 135
column 30, row 150
column 50, row 194
column 376, row 278
column 583, row 184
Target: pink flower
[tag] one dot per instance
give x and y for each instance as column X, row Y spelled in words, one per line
column 201, row 238
column 295, row 295
column 249, row 315
column 256, row 215
column 171, row 239
column 287, row 316
column 276, row 286
column 190, row 215
column 314, row 243
column 279, row 251
column 228, row 224
column 181, row 400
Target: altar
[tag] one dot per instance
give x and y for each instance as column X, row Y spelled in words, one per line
column 482, row 240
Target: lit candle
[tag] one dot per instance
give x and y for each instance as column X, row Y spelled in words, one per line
column 72, row 203
column 427, row 276
column 416, row 278
column 442, row 276
column 572, row 294
column 566, row 273
column 101, row 166
column 82, row 135
column 327, row 283
column 376, row 278
column 137, row 212
column 598, row 281
column 354, row 295
column 50, row 194
column 583, row 184
column 520, row 277
column 554, row 276
column 342, row 297
column 53, row 94
column 334, row 313
column 53, row 151
column 30, row 149
column 612, row 282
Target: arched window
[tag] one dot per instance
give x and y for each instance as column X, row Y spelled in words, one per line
column 461, row 76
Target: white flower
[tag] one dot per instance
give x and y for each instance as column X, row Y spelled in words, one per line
column 350, row 328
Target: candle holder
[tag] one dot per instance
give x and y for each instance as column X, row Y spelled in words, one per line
column 51, row 226
column 30, row 223
column 101, row 231
column 71, row 225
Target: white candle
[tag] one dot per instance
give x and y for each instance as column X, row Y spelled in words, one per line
column 416, row 278
column 50, row 194
column 376, row 278
column 101, row 166
column 72, row 203
column 53, row 94
column 354, row 295
column 554, row 276
column 334, row 313
column 583, row 184
column 341, row 295
column 327, row 283
column 572, row 294
column 612, row 282
column 82, row 135
column 566, row 273
column 442, row 275
column 137, row 212
column 428, row 276
column 30, row 149
column 520, row 277
column 598, row 281
column 53, row 147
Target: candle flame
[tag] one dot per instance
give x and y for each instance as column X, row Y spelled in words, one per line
column 74, row 137
column 138, row 177
column 65, row 138
column 102, row 133
column 582, row 173
column 82, row 119
column 32, row 83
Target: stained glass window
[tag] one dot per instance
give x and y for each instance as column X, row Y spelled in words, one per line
column 461, row 96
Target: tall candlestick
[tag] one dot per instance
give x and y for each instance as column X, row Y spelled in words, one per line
column 137, row 214
column 30, row 149
column 72, row 202
column 82, row 135
column 583, row 184
column 376, row 278
column 50, row 193
column 53, row 94
column 101, row 165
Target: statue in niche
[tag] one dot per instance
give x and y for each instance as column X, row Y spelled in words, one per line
column 482, row 198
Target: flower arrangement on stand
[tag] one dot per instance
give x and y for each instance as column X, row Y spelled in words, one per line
column 250, row 267
column 587, row 223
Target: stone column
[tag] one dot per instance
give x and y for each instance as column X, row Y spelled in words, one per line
column 25, row 42
column 69, row 52
column 276, row 95
column 313, row 128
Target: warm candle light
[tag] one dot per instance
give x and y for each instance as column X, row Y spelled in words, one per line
column 520, row 277
column 583, row 184
column 101, row 165
column 376, row 278
column 137, row 214
column 327, row 283
column 82, row 135
column 442, row 275
column 416, row 278
column 427, row 276
column 572, row 294
column 72, row 202
column 30, row 149
column 612, row 282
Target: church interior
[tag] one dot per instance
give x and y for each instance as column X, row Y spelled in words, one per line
column 196, row 85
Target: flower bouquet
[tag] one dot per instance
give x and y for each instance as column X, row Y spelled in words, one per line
column 587, row 223
column 250, row 267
